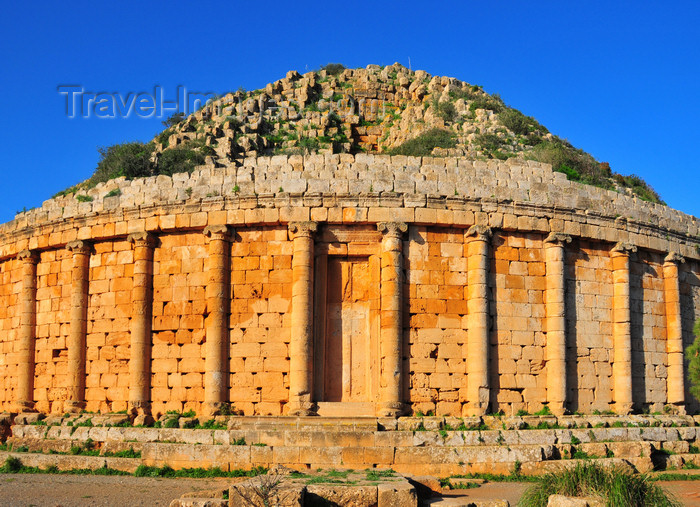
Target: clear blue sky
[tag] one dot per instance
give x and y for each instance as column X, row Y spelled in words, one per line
column 618, row 79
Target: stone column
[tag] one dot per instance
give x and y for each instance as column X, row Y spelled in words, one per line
column 391, row 319
column 675, row 385
column 555, row 293
column 24, row 396
column 301, row 346
column 622, row 329
column 78, row 325
column 216, row 326
column 478, row 240
column 141, row 322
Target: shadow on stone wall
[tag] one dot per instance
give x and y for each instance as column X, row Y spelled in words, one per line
column 494, row 351
column 639, row 355
column 690, row 298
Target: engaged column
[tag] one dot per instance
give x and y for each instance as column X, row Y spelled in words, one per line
column 622, row 328
column 141, row 322
column 301, row 346
column 391, row 320
column 24, row 395
column 555, row 293
column 216, row 325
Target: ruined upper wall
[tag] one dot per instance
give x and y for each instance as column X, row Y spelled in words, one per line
column 494, row 188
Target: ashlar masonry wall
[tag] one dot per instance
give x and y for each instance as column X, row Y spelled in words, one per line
column 321, row 298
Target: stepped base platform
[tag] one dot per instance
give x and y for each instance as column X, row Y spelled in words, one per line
column 437, row 446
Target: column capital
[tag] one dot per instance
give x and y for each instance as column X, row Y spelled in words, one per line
column 220, row 232
column 392, row 229
column 480, row 232
column 557, row 239
column 79, row 247
column 28, row 256
column 143, row 238
column 624, row 248
column 675, row 258
column 303, row 229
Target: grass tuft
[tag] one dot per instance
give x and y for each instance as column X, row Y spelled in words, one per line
column 617, row 487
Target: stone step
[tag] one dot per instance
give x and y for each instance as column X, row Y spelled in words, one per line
column 236, row 457
column 465, row 501
column 341, row 422
column 456, row 482
column 355, row 442
column 691, row 474
column 359, row 417
column 682, row 462
column 330, row 454
column 640, row 464
column 199, row 502
column 70, row 462
column 346, row 409
column 338, row 433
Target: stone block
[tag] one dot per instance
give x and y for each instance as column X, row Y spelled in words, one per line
column 567, row 501
column 426, row 485
column 396, row 494
column 337, row 494
column 248, row 494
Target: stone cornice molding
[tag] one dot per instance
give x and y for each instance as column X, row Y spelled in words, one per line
column 28, row 256
column 143, row 239
column 303, row 229
column 674, row 257
column 392, row 229
column 624, row 248
column 79, row 247
column 479, row 232
column 218, row 232
column 557, row 239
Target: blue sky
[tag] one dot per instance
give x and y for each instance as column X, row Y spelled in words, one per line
column 617, row 79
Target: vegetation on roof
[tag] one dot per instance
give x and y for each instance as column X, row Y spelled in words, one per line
column 334, row 109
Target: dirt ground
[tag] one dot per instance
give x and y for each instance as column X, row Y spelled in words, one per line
column 20, row 490
column 52, row 490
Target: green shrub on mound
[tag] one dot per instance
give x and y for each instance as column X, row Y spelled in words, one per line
column 615, row 486
column 423, row 145
column 692, row 355
column 132, row 160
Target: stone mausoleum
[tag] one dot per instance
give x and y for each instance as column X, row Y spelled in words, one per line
column 349, row 285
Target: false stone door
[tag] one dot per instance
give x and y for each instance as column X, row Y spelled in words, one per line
column 344, row 338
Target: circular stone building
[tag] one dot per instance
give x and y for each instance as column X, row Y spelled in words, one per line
column 348, row 285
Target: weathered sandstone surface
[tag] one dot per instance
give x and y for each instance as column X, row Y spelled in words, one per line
column 348, row 285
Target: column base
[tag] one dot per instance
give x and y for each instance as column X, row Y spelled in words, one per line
column 73, row 407
column 474, row 409
column 622, row 408
column 212, row 408
column 557, row 408
column 391, row 409
column 139, row 408
column 143, row 420
column 302, row 409
column 23, row 406
column 675, row 409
